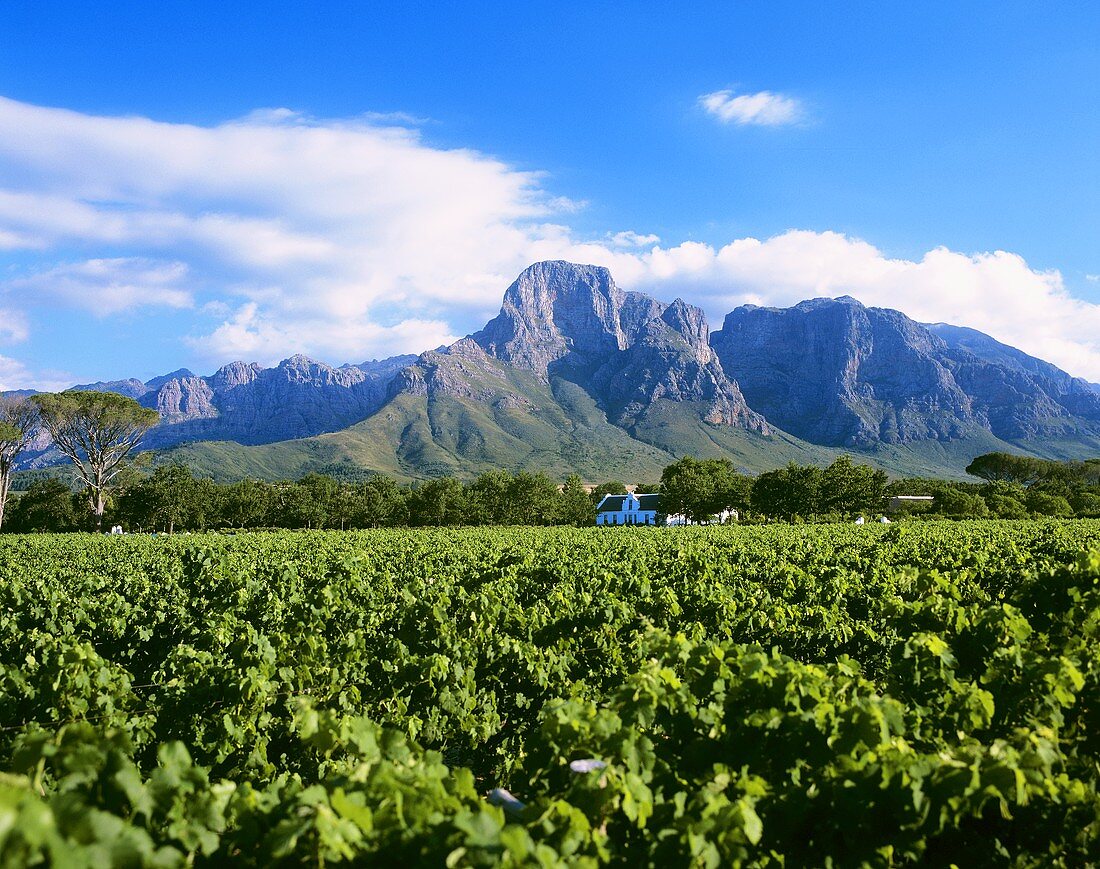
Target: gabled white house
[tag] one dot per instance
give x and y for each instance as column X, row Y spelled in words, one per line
column 628, row 510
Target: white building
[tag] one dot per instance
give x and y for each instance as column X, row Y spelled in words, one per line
column 901, row 502
column 722, row 518
column 628, row 510
column 642, row 510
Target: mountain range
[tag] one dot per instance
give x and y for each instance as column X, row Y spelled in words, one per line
column 576, row 374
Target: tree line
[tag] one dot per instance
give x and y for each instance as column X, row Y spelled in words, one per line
column 100, row 433
column 172, row 499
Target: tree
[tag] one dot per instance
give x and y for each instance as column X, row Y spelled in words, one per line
column 246, row 504
column 489, row 499
column 611, row 487
column 1045, row 504
column 952, row 501
column 308, row 503
column 18, row 421
column 207, row 502
column 381, row 502
column 167, row 498
column 438, row 502
column 732, row 491
column 576, row 507
column 47, row 505
column 850, row 488
column 1086, row 503
column 533, row 500
column 1005, row 506
column 295, row 506
column 700, row 490
column 344, row 506
column 788, row 492
column 1005, row 467
column 98, row 432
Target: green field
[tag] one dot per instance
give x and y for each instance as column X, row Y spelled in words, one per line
column 763, row 696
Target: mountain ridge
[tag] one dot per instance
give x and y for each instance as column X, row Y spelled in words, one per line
column 576, row 373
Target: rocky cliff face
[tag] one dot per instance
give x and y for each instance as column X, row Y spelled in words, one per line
column 1023, row 397
column 252, row 405
column 625, row 349
column 562, row 312
column 246, row 403
column 131, row 388
column 835, row 372
column 670, row 359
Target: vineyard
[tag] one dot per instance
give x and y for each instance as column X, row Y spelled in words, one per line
column 762, row 696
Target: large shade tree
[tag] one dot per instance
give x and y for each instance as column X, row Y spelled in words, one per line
column 171, row 496
column 1008, row 468
column 18, row 424
column 850, row 488
column 702, row 489
column 99, row 432
column 788, row 492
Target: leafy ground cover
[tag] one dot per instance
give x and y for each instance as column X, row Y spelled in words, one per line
column 779, row 695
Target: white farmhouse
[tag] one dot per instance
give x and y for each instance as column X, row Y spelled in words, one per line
column 628, row 510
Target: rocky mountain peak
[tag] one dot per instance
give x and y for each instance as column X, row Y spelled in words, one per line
column 303, row 369
column 178, row 374
column 689, row 321
column 234, row 374
column 554, row 309
column 1021, row 396
column 131, row 387
column 571, row 353
column 836, row 372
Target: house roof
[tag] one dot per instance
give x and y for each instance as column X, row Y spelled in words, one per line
column 611, row 503
column 614, row 503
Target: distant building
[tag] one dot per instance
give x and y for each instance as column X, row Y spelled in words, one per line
column 642, row 510
column 729, row 515
column 628, row 510
column 900, row 502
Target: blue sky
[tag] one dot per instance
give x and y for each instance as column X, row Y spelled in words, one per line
column 350, row 180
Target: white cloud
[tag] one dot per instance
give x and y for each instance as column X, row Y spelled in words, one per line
column 13, row 326
column 106, row 286
column 250, row 334
column 997, row 292
column 1094, row 278
column 348, row 240
column 15, row 375
column 764, row 108
column 630, row 239
column 319, row 222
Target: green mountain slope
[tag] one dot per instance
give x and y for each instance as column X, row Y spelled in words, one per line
column 514, row 420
